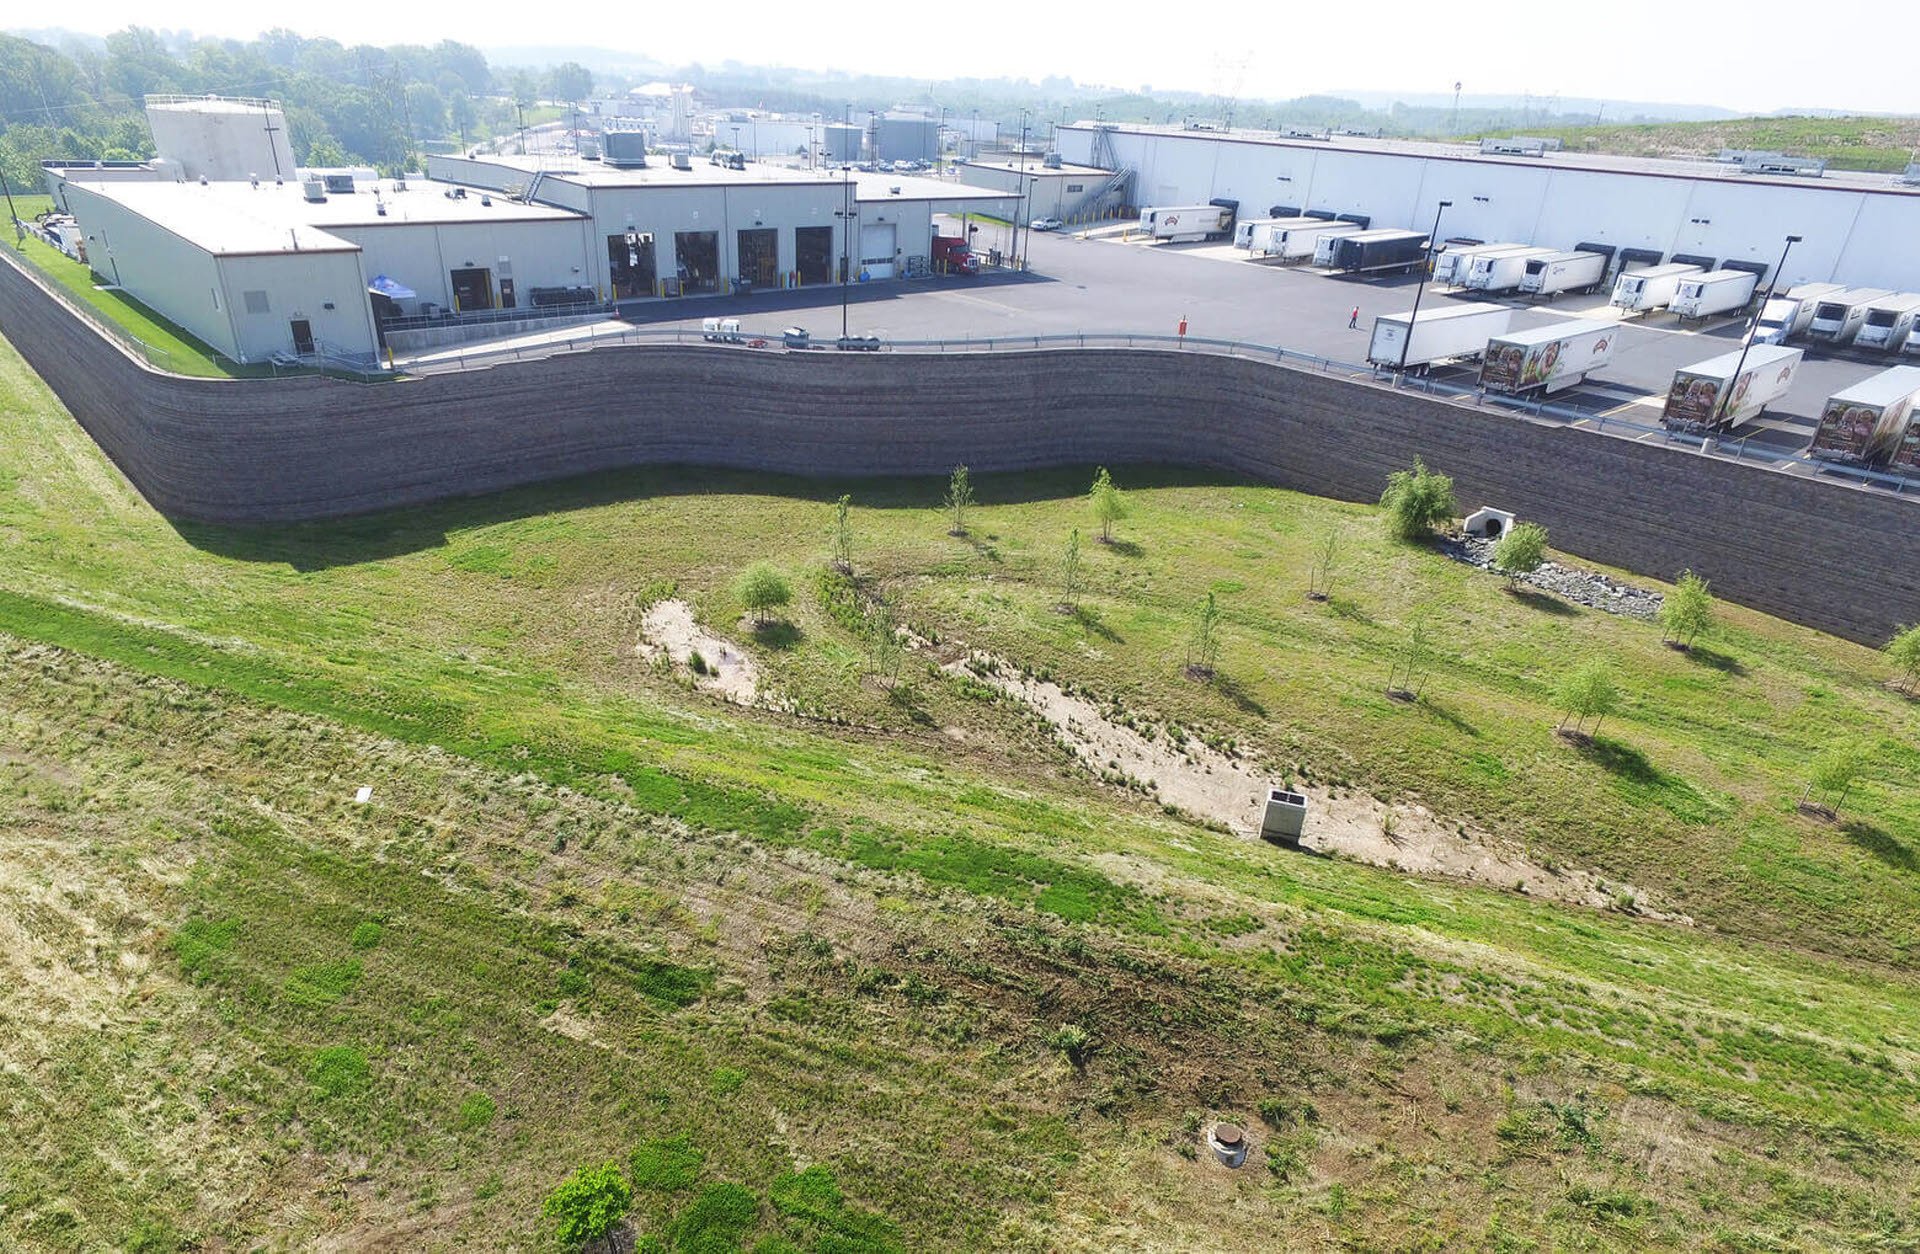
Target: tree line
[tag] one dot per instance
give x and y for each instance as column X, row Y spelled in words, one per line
column 345, row 105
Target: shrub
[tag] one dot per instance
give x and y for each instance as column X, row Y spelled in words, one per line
column 1520, row 551
column 1687, row 610
column 762, row 588
column 1417, row 501
column 843, row 535
column 588, row 1204
column 1903, row 651
column 1108, row 507
column 958, row 501
column 1588, row 692
column 1833, row 774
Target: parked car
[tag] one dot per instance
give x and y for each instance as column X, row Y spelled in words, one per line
column 1046, row 224
column 796, row 337
column 858, row 344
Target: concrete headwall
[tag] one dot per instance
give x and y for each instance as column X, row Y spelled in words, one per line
column 1837, row 558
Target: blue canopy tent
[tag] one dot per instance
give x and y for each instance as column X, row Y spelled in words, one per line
column 381, row 285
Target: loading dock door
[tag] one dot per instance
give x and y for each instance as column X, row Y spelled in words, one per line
column 630, row 265
column 472, row 289
column 877, row 247
column 698, row 255
column 760, row 257
column 813, row 253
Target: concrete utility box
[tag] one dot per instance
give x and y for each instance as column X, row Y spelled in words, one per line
column 1488, row 523
column 1285, row 817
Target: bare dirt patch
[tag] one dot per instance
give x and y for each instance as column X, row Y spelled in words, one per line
column 668, row 630
column 1223, row 789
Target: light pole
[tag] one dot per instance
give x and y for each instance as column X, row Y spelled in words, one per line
column 846, row 229
column 1426, row 268
column 1753, row 324
column 1023, row 193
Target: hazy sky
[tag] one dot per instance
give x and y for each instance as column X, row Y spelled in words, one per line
column 1751, row 56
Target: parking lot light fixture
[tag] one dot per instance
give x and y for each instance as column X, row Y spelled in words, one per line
column 1753, row 324
column 1426, row 268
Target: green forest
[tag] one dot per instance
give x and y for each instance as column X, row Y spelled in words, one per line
column 344, row 105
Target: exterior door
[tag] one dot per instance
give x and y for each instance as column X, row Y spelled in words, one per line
column 813, row 253
column 302, row 336
column 472, row 289
column 877, row 247
column 506, row 293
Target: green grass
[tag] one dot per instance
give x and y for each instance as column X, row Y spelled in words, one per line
column 800, row 972
column 1876, row 144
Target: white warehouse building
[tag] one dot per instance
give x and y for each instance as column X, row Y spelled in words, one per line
column 1854, row 228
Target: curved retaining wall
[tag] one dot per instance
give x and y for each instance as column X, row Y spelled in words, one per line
column 1832, row 557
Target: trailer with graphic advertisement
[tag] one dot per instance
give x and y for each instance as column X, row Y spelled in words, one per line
column 1184, row 224
column 1865, row 423
column 1707, row 396
column 1549, row 359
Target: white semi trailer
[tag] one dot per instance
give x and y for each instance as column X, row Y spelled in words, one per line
column 1244, row 230
column 1784, row 317
column 1889, row 323
column 1708, row 395
column 1182, row 224
column 1501, row 272
column 1839, row 317
column 1451, row 266
column 1563, row 272
column 1441, row 333
column 1865, row 422
column 1716, row 291
column 1294, row 239
column 1643, row 291
column 1547, row 358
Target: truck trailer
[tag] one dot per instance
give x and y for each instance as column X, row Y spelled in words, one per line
column 1839, row 317
column 1369, row 252
column 1865, row 422
column 1889, row 323
column 1706, row 396
column 1183, row 224
column 1563, row 272
column 1645, row 290
column 1450, row 265
column 1716, row 291
column 1244, row 230
column 1547, row 358
column 1447, row 332
column 1788, row 315
column 1501, row 272
column 1293, row 239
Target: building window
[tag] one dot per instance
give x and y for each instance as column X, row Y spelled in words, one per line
column 256, row 302
column 1076, row 187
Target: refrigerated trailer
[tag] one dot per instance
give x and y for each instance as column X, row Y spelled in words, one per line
column 1450, row 266
column 1444, row 333
column 1369, row 252
column 1563, row 272
column 1501, row 272
column 1547, row 358
column 1839, row 317
column 1181, row 224
column 1706, row 396
column 1293, row 239
column 1865, row 422
column 1642, row 291
column 1784, row 317
column 1716, row 291
column 1244, row 230
column 1889, row 323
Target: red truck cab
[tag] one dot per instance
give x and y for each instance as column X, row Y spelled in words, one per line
column 952, row 256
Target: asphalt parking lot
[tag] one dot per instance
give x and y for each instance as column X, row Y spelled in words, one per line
column 1103, row 285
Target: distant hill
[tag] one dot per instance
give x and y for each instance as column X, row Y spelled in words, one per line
column 1848, row 143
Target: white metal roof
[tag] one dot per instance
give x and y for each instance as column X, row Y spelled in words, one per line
column 1881, row 389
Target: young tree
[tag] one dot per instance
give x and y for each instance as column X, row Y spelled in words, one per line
column 843, row 535
column 588, row 1205
column 570, row 81
column 1417, row 501
column 1587, row 692
column 1520, row 551
column 1070, row 572
column 1687, row 610
column 761, row 588
column 1320, row 578
column 1411, row 666
column 1903, row 651
column 1108, row 507
column 1833, row 775
column 959, row 500
column 885, row 649
column 1203, row 647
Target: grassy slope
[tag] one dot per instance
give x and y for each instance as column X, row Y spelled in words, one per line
column 1884, row 144
column 1596, row 1080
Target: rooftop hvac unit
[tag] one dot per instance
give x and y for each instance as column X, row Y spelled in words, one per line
column 340, row 184
column 1051, row 161
column 313, row 190
column 1517, row 146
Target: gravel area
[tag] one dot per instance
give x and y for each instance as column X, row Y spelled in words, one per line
column 1569, row 583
